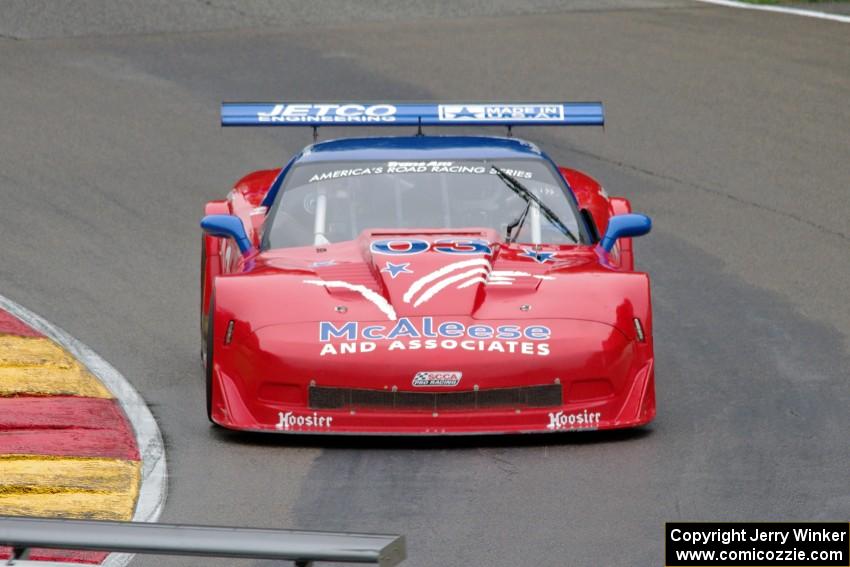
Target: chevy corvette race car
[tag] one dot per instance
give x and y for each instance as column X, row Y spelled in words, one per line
column 423, row 285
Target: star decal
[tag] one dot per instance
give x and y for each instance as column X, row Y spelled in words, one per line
column 396, row 269
column 539, row 257
column 464, row 112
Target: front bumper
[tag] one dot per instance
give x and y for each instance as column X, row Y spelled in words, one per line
column 634, row 407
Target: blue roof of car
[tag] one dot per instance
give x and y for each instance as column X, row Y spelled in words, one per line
column 419, row 147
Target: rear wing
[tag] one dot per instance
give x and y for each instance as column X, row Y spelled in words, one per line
column 313, row 114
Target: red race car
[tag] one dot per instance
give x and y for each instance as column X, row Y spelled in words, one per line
column 423, row 285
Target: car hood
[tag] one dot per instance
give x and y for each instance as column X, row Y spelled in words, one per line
column 387, row 275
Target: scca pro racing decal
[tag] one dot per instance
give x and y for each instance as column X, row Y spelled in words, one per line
column 406, row 335
column 437, row 378
column 328, row 113
column 290, row 421
column 566, row 421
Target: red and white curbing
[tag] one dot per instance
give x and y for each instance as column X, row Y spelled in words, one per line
column 152, row 488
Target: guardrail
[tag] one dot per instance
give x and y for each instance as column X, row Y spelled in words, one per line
column 304, row 548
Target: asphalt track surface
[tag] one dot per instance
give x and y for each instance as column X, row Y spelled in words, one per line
column 729, row 127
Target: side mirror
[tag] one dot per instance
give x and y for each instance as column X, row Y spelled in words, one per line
column 621, row 226
column 227, row 226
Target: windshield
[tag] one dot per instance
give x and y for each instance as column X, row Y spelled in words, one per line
column 327, row 202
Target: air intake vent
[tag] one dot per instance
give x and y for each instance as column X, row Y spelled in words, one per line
column 524, row 397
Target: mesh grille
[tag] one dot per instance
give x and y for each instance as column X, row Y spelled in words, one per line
column 350, row 398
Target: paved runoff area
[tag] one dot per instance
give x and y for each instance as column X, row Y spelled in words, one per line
column 729, row 127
